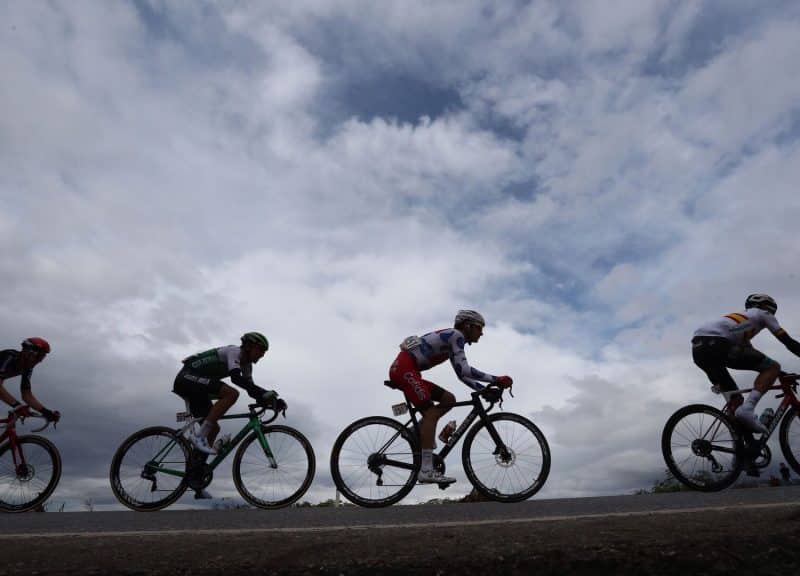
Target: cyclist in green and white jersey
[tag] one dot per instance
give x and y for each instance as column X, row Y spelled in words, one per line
column 200, row 381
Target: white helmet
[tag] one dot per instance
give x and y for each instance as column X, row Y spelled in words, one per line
column 469, row 317
column 761, row 301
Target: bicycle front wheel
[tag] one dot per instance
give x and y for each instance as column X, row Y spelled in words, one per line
column 702, row 448
column 790, row 439
column 28, row 482
column 513, row 471
column 375, row 462
column 148, row 471
column 275, row 476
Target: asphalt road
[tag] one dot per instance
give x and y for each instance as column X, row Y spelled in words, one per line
column 303, row 519
column 625, row 534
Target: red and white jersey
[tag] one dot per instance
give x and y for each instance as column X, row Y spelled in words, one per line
column 740, row 327
column 434, row 348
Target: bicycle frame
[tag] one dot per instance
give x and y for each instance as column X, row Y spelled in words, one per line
column 478, row 411
column 787, row 383
column 254, row 424
column 10, row 435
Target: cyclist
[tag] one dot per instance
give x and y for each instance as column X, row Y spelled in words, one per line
column 200, row 380
column 419, row 353
column 20, row 363
column 725, row 343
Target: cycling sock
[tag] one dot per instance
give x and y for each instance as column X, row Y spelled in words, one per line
column 752, row 399
column 427, row 460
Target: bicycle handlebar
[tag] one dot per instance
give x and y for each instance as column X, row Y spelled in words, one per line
column 259, row 409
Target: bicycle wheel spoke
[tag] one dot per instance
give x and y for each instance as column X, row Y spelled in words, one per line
column 512, row 471
column 30, row 481
column 700, row 447
column 266, row 486
column 360, row 462
column 143, row 488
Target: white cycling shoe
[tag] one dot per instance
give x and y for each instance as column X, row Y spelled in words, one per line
column 433, row 477
column 200, row 442
column 747, row 416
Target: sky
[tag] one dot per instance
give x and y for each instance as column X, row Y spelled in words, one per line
column 598, row 179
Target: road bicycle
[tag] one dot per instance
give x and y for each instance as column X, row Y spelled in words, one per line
column 30, row 466
column 272, row 468
column 375, row 460
column 706, row 448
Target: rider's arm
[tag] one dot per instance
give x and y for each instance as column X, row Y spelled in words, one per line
column 31, row 400
column 466, row 373
column 246, row 383
column 790, row 343
column 6, row 396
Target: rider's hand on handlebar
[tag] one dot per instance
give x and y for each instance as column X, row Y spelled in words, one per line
column 51, row 415
column 504, row 381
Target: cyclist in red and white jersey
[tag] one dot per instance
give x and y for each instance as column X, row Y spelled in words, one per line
column 419, row 353
column 725, row 343
column 21, row 363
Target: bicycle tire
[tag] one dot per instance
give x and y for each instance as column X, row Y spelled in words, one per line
column 23, row 482
column 127, row 468
column 357, row 460
column 289, row 456
column 690, row 454
column 527, row 463
column 790, row 438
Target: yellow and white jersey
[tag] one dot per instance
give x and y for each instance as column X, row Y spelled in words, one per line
column 740, row 327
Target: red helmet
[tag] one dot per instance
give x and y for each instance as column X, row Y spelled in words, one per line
column 36, row 344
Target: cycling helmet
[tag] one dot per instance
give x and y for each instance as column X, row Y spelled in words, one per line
column 469, row 317
column 36, row 344
column 761, row 301
column 256, row 338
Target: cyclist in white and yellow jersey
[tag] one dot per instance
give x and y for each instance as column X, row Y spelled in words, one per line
column 725, row 343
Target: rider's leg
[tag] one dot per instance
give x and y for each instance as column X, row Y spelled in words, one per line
column 431, row 416
column 227, row 398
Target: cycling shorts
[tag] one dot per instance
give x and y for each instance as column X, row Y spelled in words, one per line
column 714, row 355
column 421, row 393
column 198, row 391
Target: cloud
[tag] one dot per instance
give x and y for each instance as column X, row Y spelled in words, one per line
column 598, row 181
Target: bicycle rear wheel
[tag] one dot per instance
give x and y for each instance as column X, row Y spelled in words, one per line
column 148, row 471
column 702, row 448
column 790, row 438
column 512, row 474
column 375, row 462
column 23, row 486
column 267, row 487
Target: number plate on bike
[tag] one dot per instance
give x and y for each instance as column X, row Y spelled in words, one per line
column 399, row 409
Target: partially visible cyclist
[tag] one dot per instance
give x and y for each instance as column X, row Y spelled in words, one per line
column 725, row 343
column 420, row 353
column 200, row 382
column 21, row 363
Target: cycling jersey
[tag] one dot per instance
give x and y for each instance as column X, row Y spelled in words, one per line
column 740, row 327
column 10, row 368
column 434, row 348
column 218, row 363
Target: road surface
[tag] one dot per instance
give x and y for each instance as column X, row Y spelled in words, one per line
column 686, row 532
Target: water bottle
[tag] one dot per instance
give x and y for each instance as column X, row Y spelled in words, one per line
column 766, row 417
column 447, row 431
column 221, row 442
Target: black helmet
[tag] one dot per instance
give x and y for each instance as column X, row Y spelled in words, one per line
column 761, row 301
